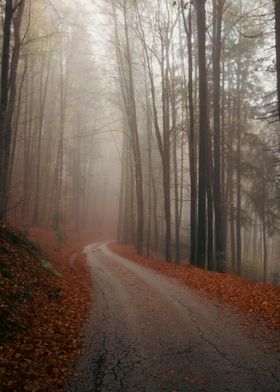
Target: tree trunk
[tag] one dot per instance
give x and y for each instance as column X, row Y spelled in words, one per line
column 231, row 204
column 42, row 105
column 136, row 144
column 122, row 193
column 218, row 202
column 277, row 41
column 16, row 125
column 163, row 141
column 4, row 96
column 150, row 167
column 223, row 163
column 263, row 218
column 155, row 215
column 203, row 132
column 238, row 182
column 210, row 217
column 57, row 189
column 27, row 147
column 8, row 131
column 192, row 142
column 175, row 162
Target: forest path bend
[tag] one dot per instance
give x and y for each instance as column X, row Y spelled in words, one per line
column 148, row 332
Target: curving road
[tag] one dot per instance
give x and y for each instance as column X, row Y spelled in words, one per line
column 149, row 333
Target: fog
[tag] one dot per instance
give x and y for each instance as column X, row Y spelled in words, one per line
column 134, row 121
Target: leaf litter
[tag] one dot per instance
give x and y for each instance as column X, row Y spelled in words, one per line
column 44, row 302
column 259, row 301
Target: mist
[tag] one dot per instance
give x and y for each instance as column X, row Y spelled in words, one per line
column 106, row 129
column 139, row 195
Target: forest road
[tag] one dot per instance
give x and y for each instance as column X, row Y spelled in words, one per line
column 148, row 332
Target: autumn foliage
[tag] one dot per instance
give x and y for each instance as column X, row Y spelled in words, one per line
column 257, row 299
column 44, row 302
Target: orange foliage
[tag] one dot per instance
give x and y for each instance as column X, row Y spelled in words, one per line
column 40, row 314
column 258, row 299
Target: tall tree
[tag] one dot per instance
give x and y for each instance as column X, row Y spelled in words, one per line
column 277, row 45
column 9, row 67
column 203, row 133
column 192, row 139
column 218, row 202
column 163, row 138
column 126, row 74
column 5, row 73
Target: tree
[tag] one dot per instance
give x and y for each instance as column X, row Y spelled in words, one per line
column 4, row 97
column 277, row 46
column 165, row 32
column 131, row 113
column 218, row 202
column 192, row 141
column 203, row 133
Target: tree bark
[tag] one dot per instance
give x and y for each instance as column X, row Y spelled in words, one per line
column 43, row 89
column 192, row 141
column 203, row 132
column 122, row 194
column 277, row 41
column 238, row 178
column 175, row 162
column 136, row 144
column 218, row 202
column 4, row 96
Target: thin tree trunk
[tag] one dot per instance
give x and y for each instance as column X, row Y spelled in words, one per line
column 277, row 40
column 238, row 182
column 263, row 217
column 218, row 202
column 192, row 142
column 203, row 132
column 8, row 131
column 175, row 162
column 136, row 144
column 155, row 215
column 27, row 147
column 4, row 96
column 150, row 167
column 223, row 161
column 42, row 106
column 16, row 123
column 57, row 189
column 166, row 148
column 210, row 215
column 122, row 193
column 231, row 204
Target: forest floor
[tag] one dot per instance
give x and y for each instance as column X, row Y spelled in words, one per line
column 46, row 291
column 44, row 302
column 258, row 301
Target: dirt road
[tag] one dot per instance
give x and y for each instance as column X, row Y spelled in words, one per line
column 149, row 333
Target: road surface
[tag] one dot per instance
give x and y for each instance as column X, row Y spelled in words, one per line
column 148, row 332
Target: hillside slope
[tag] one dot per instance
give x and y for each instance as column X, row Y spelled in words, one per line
column 42, row 308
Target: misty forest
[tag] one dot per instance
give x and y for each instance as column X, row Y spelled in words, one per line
column 140, row 195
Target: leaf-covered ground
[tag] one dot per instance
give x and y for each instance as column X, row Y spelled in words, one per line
column 262, row 301
column 44, row 302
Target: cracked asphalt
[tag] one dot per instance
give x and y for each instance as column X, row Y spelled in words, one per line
column 148, row 332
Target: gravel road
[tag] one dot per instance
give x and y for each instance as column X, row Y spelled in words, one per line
column 147, row 332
